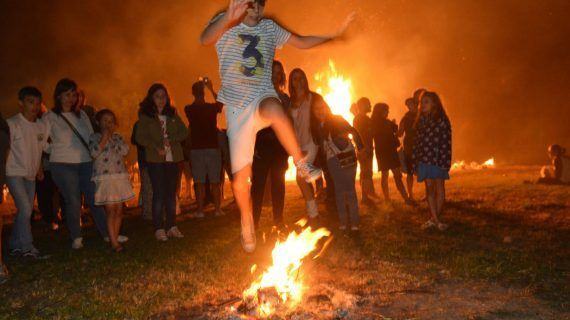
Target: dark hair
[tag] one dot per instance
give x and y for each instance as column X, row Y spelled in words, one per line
column 316, row 130
column 410, row 101
column 417, row 95
column 292, row 92
column 198, row 89
column 261, row 2
column 29, row 92
column 362, row 103
column 62, row 86
column 99, row 115
column 379, row 108
column 283, row 81
column 437, row 112
column 557, row 149
column 148, row 107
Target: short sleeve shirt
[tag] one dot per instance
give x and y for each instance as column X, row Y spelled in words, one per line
column 202, row 118
column 245, row 57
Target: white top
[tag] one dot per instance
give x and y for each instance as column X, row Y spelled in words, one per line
column 245, row 57
column 168, row 150
column 302, row 125
column 65, row 146
column 27, row 142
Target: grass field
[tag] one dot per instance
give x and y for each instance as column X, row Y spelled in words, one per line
column 506, row 255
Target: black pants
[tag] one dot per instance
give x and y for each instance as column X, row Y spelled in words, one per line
column 163, row 177
column 261, row 169
column 49, row 198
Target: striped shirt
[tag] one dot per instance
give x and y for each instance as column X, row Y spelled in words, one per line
column 245, row 57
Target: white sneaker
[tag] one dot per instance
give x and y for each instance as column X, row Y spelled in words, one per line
column 220, row 213
column 354, row 228
column 174, row 233
column 342, row 228
column 199, row 215
column 77, row 243
column 308, row 171
column 248, row 241
column 120, row 239
column 160, row 235
column 312, row 209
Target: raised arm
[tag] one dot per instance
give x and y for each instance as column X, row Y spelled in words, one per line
column 307, row 42
column 221, row 23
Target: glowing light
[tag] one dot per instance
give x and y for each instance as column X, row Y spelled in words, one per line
column 283, row 277
column 337, row 91
column 462, row 165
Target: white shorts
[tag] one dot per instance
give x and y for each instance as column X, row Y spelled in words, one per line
column 243, row 125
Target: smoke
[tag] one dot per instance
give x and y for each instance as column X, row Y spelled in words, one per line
column 501, row 67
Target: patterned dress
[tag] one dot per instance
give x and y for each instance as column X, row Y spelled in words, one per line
column 109, row 171
column 432, row 148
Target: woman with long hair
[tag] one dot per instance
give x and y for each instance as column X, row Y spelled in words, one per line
column 70, row 160
column 161, row 133
column 432, row 154
column 301, row 100
column 335, row 136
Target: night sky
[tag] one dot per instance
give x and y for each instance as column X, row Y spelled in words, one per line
column 501, row 67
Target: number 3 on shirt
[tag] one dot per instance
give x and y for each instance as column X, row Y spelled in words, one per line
column 251, row 51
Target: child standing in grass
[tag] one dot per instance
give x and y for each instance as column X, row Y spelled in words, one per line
column 113, row 187
column 432, row 154
column 559, row 171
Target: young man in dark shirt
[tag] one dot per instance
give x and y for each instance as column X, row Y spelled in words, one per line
column 363, row 124
column 205, row 154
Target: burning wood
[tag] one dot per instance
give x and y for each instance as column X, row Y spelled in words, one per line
column 281, row 287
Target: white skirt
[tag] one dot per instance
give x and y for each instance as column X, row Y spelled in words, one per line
column 112, row 189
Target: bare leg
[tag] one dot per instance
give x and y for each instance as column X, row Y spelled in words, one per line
column 272, row 111
column 200, row 196
column 385, row 188
column 431, row 199
column 440, row 195
column 241, row 186
column 119, row 219
column 400, row 184
column 216, row 194
column 307, row 189
column 410, row 182
column 111, row 210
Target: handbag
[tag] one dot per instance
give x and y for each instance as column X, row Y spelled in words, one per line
column 77, row 134
column 347, row 159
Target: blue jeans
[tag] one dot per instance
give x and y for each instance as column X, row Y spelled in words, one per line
column 23, row 192
column 74, row 179
column 164, row 180
column 345, row 192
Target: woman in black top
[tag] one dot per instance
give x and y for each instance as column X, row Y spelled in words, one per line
column 387, row 143
column 270, row 159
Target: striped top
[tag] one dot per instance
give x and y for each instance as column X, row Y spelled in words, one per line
column 245, row 57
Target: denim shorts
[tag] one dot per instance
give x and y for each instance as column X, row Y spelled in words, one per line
column 428, row 171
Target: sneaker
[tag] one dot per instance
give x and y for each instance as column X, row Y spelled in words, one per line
column 354, row 228
column 34, row 254
column 219, row 213
column 77, row 243
column 160, row 235
column 312, row 209
column 342, row 228
column 120, row 239
column 248, row 242
column 308, row 171
column 429, row 224
column 15, row 252
column 174, row 233
column 3, row 274
column 199, row 215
